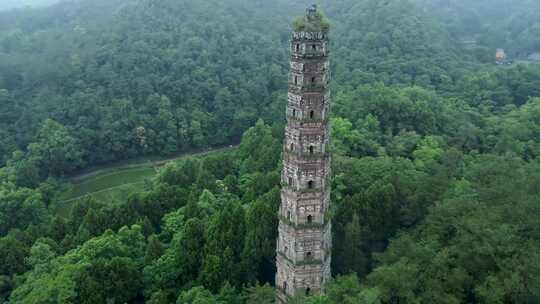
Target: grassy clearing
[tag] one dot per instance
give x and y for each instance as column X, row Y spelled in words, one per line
column 106, row 186
column 110, row 180
column 109, row 194
column 115, row 182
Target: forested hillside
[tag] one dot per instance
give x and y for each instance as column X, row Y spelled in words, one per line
column 109, row 69
column 435, row 153
column 509, row 24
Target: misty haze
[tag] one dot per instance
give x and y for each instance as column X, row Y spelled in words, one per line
column 11, row 4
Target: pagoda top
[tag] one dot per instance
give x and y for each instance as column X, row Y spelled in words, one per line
column 313, row 21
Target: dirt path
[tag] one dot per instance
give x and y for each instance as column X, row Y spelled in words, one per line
column 78, row 177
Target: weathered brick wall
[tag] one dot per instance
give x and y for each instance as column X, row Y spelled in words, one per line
column 304, row 243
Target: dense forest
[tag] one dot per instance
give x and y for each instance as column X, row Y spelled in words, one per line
column 436, row 151
column 508, row 24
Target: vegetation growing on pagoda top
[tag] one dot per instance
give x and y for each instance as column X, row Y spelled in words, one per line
column 316, row 22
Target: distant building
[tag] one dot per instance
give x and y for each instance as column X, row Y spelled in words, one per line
column 500, row 56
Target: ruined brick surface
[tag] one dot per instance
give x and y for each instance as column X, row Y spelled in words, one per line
column 304, row 242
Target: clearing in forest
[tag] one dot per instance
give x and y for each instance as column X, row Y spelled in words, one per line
column 116, row 181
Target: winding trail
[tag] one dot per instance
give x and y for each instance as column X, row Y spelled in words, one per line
column 100, row 191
